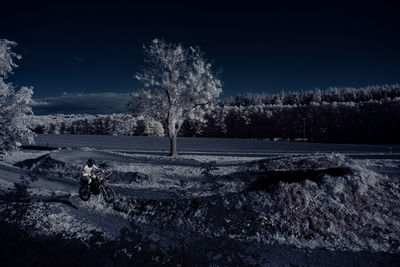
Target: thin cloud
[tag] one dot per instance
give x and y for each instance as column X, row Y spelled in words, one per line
column 93, row 103
column 79, row 59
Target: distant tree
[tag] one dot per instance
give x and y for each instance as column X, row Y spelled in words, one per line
column 15, row 105
column 179, row 84
column 276, row 100
column 147, row 126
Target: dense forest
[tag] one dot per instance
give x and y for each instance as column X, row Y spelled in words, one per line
column 346, row 115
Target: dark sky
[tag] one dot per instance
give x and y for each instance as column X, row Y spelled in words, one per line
column 93, row 48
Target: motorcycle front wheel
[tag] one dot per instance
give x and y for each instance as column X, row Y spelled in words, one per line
column 84, row 193
column 108, row 194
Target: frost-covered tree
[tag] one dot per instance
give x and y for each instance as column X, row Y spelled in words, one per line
column 178, row 84
column 15, row 105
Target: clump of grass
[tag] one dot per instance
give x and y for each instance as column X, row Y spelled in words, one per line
column 207, row 168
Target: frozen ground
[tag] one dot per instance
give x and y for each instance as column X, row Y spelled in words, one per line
column 260, row 203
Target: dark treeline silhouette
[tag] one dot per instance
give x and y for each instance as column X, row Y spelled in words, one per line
column 345, row 115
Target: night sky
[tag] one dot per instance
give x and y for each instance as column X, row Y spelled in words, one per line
column 74, row 53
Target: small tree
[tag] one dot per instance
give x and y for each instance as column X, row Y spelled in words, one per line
column 179, row 84
column 15, row 105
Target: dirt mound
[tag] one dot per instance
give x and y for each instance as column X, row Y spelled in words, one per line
column 349, row 208
column 269, row 180
column 299, row 162
column 44, row 162
column 341, row 204
column 46, row 165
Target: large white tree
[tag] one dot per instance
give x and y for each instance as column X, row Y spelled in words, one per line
column 178, row 83
column 15, row 105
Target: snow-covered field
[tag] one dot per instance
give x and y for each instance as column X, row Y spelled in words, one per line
column 253, row 201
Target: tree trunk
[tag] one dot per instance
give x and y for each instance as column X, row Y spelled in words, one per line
column 172, row 140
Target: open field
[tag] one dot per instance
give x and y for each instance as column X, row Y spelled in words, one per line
column 214, row 146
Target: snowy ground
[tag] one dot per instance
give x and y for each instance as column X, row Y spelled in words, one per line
column 258, row 201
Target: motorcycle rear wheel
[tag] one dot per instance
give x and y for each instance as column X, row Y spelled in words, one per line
column 84, row 193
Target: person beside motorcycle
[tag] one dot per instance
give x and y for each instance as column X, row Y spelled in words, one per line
column 87, row 173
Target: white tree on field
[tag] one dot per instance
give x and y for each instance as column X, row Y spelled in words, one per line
column 178, row 84
column 15, row 105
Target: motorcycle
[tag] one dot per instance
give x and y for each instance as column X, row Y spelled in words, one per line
column 97, row 185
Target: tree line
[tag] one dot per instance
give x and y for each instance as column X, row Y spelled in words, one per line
column 110, row 124
column 342, row 115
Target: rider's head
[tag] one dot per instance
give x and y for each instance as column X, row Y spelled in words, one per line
column 90, row 162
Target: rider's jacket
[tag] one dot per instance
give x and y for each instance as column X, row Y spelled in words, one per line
column 87, row 171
